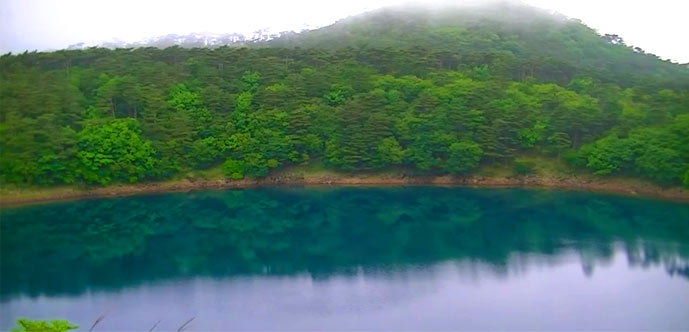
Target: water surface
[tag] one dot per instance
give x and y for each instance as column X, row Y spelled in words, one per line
column 350, row 258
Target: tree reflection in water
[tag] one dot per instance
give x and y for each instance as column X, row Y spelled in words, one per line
column 67, row 248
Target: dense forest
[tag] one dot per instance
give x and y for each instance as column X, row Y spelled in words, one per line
column 433, row 91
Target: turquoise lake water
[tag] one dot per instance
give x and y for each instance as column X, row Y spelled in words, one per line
column 408, row 258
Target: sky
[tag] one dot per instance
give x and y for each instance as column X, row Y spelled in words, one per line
column 657, row 26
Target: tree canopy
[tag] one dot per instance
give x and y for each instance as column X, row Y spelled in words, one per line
column 438, row 92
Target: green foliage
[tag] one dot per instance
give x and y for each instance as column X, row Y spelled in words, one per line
column 55, row 325
column 233, row 169
column 255, row 165
column 528, row 137
column 473, row 86
column 189, row 105
column 250, row 81
column 113, row 151
column 388, row 152
column 181, row 98
column 337, row 94
column 660, row 164
column 608, row 154
column 464, row 156
column 522, row 166
column 659, row 153
column 203, row 152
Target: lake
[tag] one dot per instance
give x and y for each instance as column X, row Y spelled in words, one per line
column 407, row 258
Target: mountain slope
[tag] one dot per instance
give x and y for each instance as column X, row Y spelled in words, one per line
column 444, row 91
column 539, row 40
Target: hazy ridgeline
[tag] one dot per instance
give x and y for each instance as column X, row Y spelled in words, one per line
column 434, row 91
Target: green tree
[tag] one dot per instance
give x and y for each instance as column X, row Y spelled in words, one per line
column 464, row 156
column 388, row 152
column 113, row 151
column 233, row 169
column 608, row 155
column 363, row 94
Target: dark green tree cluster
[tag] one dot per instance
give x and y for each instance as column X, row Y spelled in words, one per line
column 659, row 153
column 435, row 92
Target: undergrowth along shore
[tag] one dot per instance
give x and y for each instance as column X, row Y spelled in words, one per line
column 626, row 186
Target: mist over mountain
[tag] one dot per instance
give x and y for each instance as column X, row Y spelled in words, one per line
column 398, row 26
column 431, row 90
column 502, row 28
column 192, row 40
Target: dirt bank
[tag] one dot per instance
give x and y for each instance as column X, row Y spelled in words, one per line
column 620, row 186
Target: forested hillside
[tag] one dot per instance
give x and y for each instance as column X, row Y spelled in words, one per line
column 434, row 91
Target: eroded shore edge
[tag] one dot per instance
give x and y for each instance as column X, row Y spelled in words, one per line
column 617, row 186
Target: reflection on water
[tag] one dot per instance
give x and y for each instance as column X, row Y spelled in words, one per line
column 348, row 258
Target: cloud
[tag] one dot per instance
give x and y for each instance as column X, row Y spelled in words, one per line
column 656, row 26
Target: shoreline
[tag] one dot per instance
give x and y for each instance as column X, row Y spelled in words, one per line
column 628, row 187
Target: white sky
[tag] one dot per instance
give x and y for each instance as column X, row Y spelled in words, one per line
column 658, row 26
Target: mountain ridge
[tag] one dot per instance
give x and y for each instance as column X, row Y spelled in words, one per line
column 438, row 96
column 265, row 37
column 503, row 30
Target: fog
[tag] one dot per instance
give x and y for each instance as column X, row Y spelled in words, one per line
column 656, row 26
